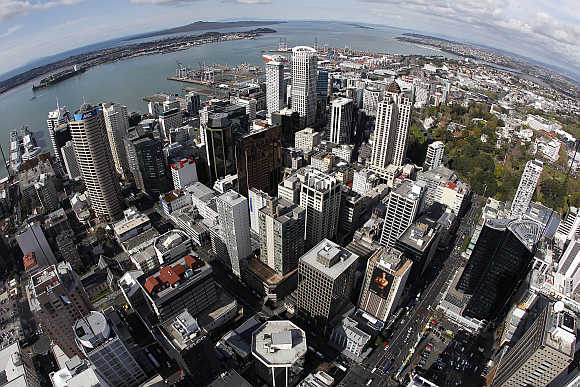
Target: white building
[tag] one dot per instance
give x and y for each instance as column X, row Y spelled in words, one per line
column 234, row 219
column 257, row 199
column 344, row 152
column 56, row 118
column 569, row 228
column 371, row 99
column 170, row 116
column 117, row 124
column 132, row 225
column 341, row 120
column 306, row 139
column 275, row 87
column 304, row 66
column 403, row 205
column 527, row 187
column 364, row 180
column 172, row 245
column 30, row 239
column 567, row 278
column 434, row 156
column 70, row 161
column 183, row 172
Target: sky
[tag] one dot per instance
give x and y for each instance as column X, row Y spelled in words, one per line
column 545, row 30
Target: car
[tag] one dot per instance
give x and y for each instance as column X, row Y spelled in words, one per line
column 373, row 371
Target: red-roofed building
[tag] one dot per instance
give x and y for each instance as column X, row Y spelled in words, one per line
column 183, row 172
column 29, row 261
column 151, row 284
column 168, row 276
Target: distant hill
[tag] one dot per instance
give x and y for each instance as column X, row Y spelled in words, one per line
column 203, row 26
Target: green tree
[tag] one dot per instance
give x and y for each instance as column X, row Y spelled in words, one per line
column 553, row 193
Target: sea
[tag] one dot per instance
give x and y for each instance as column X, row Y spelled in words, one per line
column 128, row 81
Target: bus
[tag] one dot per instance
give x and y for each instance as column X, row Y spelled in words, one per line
column 410, row 304
column 387, row 366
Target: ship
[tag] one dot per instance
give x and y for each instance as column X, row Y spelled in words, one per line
column 275, row 58
column 59, row 77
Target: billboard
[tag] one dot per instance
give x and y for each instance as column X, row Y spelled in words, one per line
column 381, row 283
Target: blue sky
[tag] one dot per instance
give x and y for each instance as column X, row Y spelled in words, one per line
column 548, row 31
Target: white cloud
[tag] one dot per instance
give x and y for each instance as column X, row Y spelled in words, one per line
column 183, row 2
column 12, row 8
column 10, row 31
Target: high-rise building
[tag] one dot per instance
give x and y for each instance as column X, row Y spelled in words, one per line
column 434, row 156
column 527, row 187
column 289, row 189
column 193, row 103
column 256, row 201
column 259, row 159
column 325, row 279
column 306, row 139
column 147, row 164
column 30, row 239
column 304, row 66
column 391, row 129
column 183, row 172
column 320, row 197
column 289, row 120
column 106, row 350
column 280, row 348
column 95, row 162
column 370, row 100
column 281, row 235
column 219, row 146
column 235, row 222
column 341, row 120
column 498, row 262
column 46, row 192
column 67, row 249
column 56, row 118
column 403, row 206
column 170, row 116
column 384, row 281
column 443, row 186
column 69, row 159
column 275, row 87
column 364, row 180
column 117, row 124
column 543, row 352
column 58, row 299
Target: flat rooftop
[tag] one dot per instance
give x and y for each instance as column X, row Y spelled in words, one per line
column 278, row 343
column 200, row 191
column 11, row 367
column 329, row 258
column 420, row 233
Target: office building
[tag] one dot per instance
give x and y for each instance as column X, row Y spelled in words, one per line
column 341, row 120
column 31, row 238
column 275, row 87
column 364, row 180
column 526, row 188
column 325, row 279
column 183, row 172
column 352, row 208
column 281, row 235
column 106, row 350
column 384, row 281
column 568, row 230
column 256, row 201
column 219, row 144
column 304, row 66
column 370, row 100
column 434, row 156
column 170, row 116
column 498, row 262
column 17, row 367
column 95, row 162
column 147, row 164
column 280, row 348
column 235, row 222
column 391, row 129
column 56, row 118
column 320, row 197
column 58, row 299
column 69, row 159
column 403, row 206
column 543, row 352
column 117, row 124
column 46, row 192
column 289, row 121
column 348, row 338
column 67, row 250
column 259, row 159
column 306, row 139
column 289, row 189
column 444, row 187
column 193, row 102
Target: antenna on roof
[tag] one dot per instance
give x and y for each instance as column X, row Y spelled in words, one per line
column 57, row 105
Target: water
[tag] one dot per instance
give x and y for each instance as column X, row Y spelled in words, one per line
column 127, row 82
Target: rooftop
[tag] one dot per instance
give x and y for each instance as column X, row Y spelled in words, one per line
column 170, row 240
column 282, row 210
column 92, row 330
column 329, row 258
column 170, row 277
column 201, row 191
column 12, row 371
column 420, row 233
column 278, row 343
column 229, row 379
column 183, row 330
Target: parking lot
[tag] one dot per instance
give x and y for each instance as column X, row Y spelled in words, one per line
column 10, row 328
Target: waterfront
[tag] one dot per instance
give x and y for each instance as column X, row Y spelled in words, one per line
column 128, row 81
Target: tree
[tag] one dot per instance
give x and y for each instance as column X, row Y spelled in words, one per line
column 553, row 193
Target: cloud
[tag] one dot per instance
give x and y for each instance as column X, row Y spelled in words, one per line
column 532, row 25
column 10, row 31
column 13, row 8
column 184, row 2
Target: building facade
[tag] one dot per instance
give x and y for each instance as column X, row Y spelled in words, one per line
column 117, row 124
column 234, row 219
column 341, row 120
column 304, row 66
column 403, row 205
column 275, row 87
column 526, row 188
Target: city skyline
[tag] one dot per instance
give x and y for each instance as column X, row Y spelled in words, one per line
column 542, row 31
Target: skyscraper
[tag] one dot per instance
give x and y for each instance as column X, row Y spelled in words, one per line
column 325, row 277
column 289, row 120
column 403, row 205
column 275, row 87
column 320, row 197
column 219, row 146
column 56, row 118
column 391, row 129
column 31, row 238
column 235, row 222
column 170, row 116
column 384, row 281
column 281, row 235
column 193, row 103
column 183, row 172
column 259, row 159
column 542, row 353
column 95, row 162
column 304, row 65
column 341, row 120
column 117, row 124
column 147, row 164
column 527, row 187
column 434, row 156
column 58, row 299
column 69, row 159
column 108, row 353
